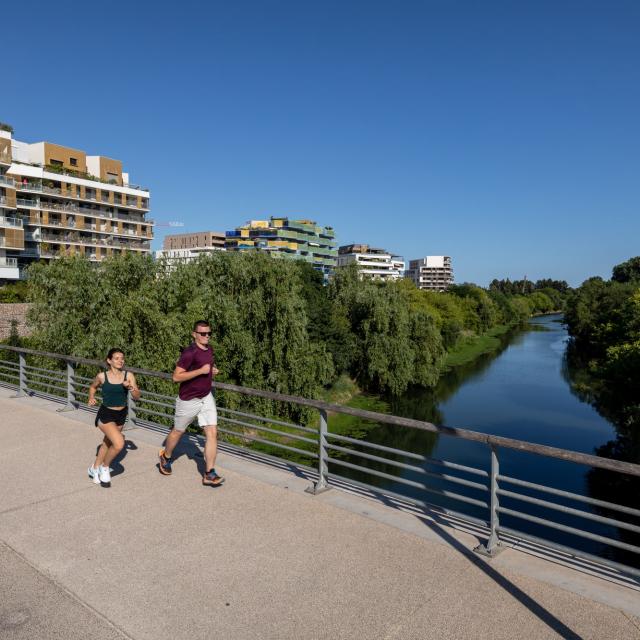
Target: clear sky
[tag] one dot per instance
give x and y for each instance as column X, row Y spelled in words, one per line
column 504, row 134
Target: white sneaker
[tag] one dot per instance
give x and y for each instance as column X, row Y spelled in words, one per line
column 104, row 475
column 94, row 475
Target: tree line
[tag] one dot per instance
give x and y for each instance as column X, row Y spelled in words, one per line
column 603, row 319
column 276, row 325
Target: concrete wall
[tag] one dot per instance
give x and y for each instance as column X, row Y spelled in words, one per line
column 16, row 311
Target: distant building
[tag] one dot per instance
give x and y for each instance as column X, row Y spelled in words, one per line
column 287, row 238
column 184, row 247
column 377, row 264
column 57, row 201
column 195, row 240
column 432, row 273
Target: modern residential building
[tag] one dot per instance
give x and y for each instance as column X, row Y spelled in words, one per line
column 433, row 273
column 57, row 201
column 372, row 263
column 287, row 238
column 195, row 240
column 184, row 247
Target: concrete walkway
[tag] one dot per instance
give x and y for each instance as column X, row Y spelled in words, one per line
column 164, row 557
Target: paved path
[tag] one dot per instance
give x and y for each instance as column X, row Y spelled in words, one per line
column 155, row 557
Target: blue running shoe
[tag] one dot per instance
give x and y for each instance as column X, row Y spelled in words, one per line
column 164, row 463
column 212, row 479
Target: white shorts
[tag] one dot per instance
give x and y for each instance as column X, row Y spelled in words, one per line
column 202, row 408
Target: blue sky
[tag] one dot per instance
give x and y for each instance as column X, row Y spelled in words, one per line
column 504, row 134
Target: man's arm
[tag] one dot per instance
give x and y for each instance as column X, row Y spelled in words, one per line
column 182, row 375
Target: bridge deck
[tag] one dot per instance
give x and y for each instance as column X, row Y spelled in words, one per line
column 257, row 558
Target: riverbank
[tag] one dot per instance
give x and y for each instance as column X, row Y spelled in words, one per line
column 346, row 391
column 472, row 346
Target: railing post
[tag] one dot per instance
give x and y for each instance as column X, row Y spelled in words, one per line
column 322, row 483
column 22, row 377
column 493, row 547
column 131, row 422
column 72, row 404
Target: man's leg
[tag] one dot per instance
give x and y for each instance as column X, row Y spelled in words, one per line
column 210, row 446
column 164, row 456
column 210, row 477
column 208, row 420
column 171, row 442
column 186, row 411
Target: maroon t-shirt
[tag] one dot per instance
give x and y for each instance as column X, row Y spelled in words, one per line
column 192, row 358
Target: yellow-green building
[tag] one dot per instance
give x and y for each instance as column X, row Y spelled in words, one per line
column 287, row 238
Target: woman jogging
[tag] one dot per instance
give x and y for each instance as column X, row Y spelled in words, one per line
column 112, row 414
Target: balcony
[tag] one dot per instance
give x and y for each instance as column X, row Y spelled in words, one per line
column 30, row 204
column 8, row 245
column 8, row 182
column 13, row 223
column 36, row 187
column 71, row 207
column 76, row 239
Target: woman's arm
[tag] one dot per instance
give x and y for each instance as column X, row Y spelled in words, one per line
column 93, row 387
column 131, row 384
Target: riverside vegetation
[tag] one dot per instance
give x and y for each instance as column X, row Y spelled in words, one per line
column 276, row 325
column 603, row 319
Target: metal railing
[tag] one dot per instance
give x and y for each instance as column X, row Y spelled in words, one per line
column 101, row 242
column 486, row 490
column 41, row 188
column 8, row 262
column 10, row 222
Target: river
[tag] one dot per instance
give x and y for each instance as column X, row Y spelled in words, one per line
column 521, row 391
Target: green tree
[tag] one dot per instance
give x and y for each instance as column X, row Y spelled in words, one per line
column 627, row 271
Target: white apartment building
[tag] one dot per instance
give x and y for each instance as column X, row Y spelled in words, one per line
column 185, row 247
column 57, row 201
column 377, row 264
column 432, row 273
column 176, row 256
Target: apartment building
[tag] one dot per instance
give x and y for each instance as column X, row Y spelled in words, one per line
column 184, row 247
column 284, row 237
column 57, row 201
column 377, row 264
column 432, row 273
column 195, row 240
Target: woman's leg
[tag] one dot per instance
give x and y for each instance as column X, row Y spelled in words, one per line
column 115, row 439
column 102, row 451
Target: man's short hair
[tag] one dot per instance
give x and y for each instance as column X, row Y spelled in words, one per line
column 200, row 323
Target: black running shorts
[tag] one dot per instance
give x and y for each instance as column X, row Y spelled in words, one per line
column 106, row 414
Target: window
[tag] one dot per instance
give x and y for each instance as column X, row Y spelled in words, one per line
column 74, row 162
column 56, row 163
column 112, row 177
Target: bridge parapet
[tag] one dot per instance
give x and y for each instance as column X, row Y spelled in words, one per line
column 481, row 496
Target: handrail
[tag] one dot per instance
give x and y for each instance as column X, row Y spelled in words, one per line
column 455, row 432
column 369, row 460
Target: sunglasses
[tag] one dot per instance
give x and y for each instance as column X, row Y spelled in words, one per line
column 204, row 333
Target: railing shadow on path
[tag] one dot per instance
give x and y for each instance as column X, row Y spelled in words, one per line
column 440, row 527
column 471, row 487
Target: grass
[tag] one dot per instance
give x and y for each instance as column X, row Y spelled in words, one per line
column 472, row 346
column 341, row 391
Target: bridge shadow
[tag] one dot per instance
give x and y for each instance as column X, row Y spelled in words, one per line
column 190, row 446
column 440, row 525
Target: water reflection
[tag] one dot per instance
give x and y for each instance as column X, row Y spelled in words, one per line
column 520, row 391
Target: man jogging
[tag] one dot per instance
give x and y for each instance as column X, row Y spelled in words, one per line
column 194, row 371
